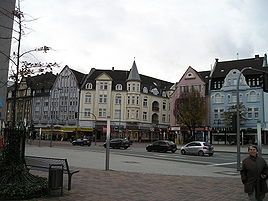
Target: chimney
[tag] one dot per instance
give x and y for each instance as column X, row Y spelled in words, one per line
column 217, row 60
column 112, row 68
column 257, row 56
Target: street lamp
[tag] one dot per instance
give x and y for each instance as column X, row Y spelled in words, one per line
column 237, row 113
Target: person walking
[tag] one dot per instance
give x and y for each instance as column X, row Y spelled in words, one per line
column 254, row 174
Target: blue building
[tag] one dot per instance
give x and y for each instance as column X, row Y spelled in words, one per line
column 223, row 99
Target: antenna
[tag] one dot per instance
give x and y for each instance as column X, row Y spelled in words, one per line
column 237, row 56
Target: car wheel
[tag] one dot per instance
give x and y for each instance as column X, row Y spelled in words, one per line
column 211, row 154
column 125, row 147
column 149, row 150
column 183, row 152
column 173, row 151
column 200, row 153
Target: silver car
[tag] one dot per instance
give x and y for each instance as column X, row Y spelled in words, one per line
column 198, row 148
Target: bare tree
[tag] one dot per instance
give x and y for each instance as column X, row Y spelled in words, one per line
column 229, row 116
column 19, row 67
column 190, row 111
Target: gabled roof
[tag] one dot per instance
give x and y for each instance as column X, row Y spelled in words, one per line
column 222, row 68
column 79, row 76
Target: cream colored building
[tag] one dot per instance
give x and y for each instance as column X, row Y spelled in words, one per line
column 137, row 105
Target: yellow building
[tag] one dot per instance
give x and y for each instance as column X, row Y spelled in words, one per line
column 137, row 105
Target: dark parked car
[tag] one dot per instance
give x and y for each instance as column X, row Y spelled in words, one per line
column 198, row 148
column 81, row 142
column 162, row 146
column 118, row 143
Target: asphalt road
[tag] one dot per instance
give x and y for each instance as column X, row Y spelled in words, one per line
column 223, row 159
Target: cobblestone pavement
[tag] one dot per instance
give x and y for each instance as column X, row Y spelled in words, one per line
column 100, row 185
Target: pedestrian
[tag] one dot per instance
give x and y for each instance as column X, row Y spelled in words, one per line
column 254, row 174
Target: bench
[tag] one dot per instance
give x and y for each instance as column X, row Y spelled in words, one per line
column 43, row 163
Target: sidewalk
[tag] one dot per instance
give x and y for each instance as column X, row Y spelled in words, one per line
column 101, row 185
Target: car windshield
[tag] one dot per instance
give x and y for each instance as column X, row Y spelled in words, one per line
column 206, row 144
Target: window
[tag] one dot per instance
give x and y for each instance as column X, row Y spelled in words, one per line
column 196, row 88
column 133, row 100
column 145, row 90
column 118, row 87
column 216, row 115
column 250, row 113
column 138, row 100
column 252, row 97
column 117, row 114
column 88, row 86
column 128, row 87
column 128, row 100
column 256, row 113
column 103, row 85
column 144, row 116
column 102, row 112
column 218, row 98
column 87, row 112
column 133, row 87
column 103, row 99
column 137, row 114
column 118, row 99
column 88, row 98
column 184, row 89
column 145, row 102
column 164, row 105
column 163, row 118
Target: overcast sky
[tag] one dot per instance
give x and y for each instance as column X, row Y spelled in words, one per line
column 164, row 36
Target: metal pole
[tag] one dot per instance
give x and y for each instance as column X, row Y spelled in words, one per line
column 108, row 143
column 40, row 133
column 238, row 118
column 259, row 138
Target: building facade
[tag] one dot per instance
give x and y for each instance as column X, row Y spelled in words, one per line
column 190, row 81
column 137, row 105
column 223, row 93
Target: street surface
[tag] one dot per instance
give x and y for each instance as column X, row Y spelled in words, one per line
column 137, row 159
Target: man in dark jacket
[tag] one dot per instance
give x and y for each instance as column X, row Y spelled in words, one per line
column 254, row 174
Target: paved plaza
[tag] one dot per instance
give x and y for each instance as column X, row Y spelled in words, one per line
column 96, row 184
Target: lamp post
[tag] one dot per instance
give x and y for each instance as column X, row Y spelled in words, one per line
column 237, row 114
column 94, row 133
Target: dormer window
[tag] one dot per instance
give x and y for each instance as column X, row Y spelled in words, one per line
column 118, row 87
column 145, row 90
column 88, row 86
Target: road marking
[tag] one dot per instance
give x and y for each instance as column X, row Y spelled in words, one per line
column 220, row 164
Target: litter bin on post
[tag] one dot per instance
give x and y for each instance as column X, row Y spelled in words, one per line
column 55, row 177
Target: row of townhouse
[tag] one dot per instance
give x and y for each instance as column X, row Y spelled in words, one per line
column 219, row 87
column 74, row 103
column 141, row 107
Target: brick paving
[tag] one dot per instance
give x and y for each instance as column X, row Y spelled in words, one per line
column 100, row 185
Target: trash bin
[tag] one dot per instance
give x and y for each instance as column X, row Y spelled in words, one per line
column 55, row 177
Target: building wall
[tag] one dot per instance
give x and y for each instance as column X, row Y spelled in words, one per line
column 64, row 99
column 189, row 79
column 132, row 105
column 6, row 6
column 222, row 99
